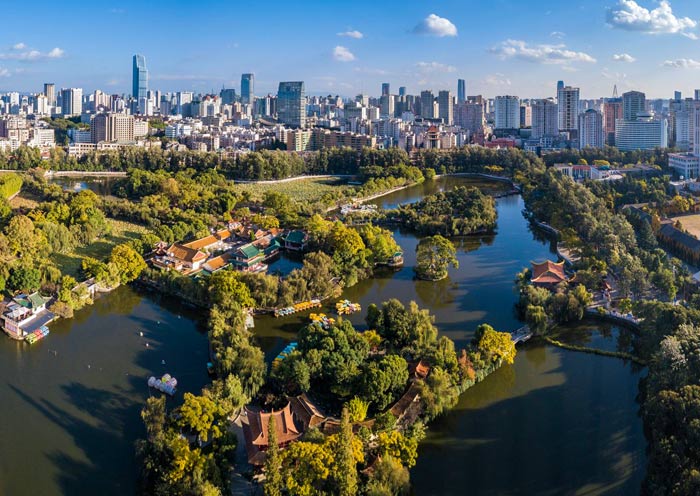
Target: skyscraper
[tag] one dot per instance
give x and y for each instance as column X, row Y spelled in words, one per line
column 247, row 88
column 228, row 95
column 71, row 101
column 50, row 92
column 402, row 91
column 445, row 107
column 560, row 86
column 633, row 104
column 507, row 112
column 291, row 103
column 612, row 111
column 139, row 80
column 461, row 91
column 545, row 119
column 591, row 129
column 426, row 104
column 386, row 89
column 567, row 101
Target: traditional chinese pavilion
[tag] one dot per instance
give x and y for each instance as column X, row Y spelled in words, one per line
column 548, row 274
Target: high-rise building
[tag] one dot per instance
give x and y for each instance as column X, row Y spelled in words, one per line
column 291, row 103
column 567, row 102
column 507, row 112
column 228, row 95
column 101, row 101
column 525, row 116
column 470, row 116
column 612, row 111
column 633, row 104
column 427, row 107
column 560, row 86
column 71, row 101
column 139, row 78
column 446, row 107
column 590, row 127
column 644, row 133
column 112, row 128
column 386, row 105
column 402, row 91
column 247, row 88
column 386, row 89
column 461, row 91
column 545, row 119
column 50, row 92
column 182, row 102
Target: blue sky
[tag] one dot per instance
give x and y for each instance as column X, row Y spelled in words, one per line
column 499, row 46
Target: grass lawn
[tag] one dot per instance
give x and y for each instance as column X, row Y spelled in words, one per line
column 690, row 223
column 70, row 263
column 25, row 201
column 306, row 190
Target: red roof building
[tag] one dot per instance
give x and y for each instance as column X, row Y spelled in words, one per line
column 548, row 274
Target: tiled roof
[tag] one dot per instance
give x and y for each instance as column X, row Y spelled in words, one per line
column 202, row 243
column 548, row 272
column 296, row 237
column 185, row 253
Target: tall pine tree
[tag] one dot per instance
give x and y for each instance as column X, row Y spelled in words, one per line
column 345, row 459
column 273, row 462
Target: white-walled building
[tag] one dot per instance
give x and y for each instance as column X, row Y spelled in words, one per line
column 507, row 110
column 645, row 133
column 590, row 126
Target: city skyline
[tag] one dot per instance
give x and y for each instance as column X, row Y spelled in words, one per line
column 637, row 45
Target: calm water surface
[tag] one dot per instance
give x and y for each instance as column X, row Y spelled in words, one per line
column 71, row 403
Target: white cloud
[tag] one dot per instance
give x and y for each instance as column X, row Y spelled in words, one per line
column 342, row 54
column 557, row 34
column 623, row 57
column 435, row 25
column 27, row 55
column 4, row 72
column 542, row 54
column 371, row 71
column 497, row 79
column 432, row 67
column 19, row 46
column 55, row 53
column 682, row 64
column 352, row 34
column 631, row 16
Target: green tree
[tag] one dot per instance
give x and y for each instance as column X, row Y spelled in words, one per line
column 128, row 261
column 226, row 289
column 398, row 446
column 346, row 473
column 498, row 345
column 389, row 478
column 357, row 409
column 200, row 415
column 438, row 393
column 433, row 256
column 274, row 484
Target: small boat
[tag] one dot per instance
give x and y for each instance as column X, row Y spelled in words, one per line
column 166, row 384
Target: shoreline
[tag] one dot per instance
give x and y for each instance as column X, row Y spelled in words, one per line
column 50, row 174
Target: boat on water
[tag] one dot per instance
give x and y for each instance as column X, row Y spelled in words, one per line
column 166, row 384
column 345, row 307
column 37, row 335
